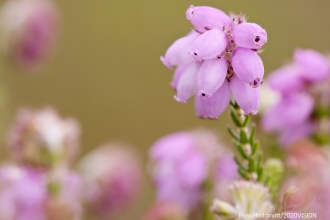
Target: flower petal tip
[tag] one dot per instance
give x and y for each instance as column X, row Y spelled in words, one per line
column 195, row 56
column 190, row 12
column 251, row 113
column 180, row 100
column 166, row 62
column 207, row 117
column 256, row 82
column 204, row 94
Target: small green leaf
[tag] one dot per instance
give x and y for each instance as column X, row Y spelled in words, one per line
column 260, row 174
column 243, row 174
column 243, row 137
column 239, row 164
column 246, row 121
column 235, row 119
column 242, row 152
column 251, row 165
column 253, row 130
column 232, row 134
column 255, row 148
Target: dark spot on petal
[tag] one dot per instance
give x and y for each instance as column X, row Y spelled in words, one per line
column 207, row 28
column 195, row 54
column 257, row 39
column 203, row 94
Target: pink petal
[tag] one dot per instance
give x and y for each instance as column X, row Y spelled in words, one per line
column 315, row 66
column 247, row 98
column 291, row 135
column 249, row 35
column 211, row 108
column 211, row 76
column 178, row 52
column 248, row 66
column 286, row 80
column 177, row 73
column 209, row 45
column 206, row 18
column 192, row 169
column 187, row 82
column 291, row 111
column 172, row 147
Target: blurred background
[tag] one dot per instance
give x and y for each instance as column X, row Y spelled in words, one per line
column 107, row 74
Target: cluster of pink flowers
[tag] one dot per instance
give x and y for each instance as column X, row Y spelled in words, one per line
column 39, row 183
column 182, row 163
column 217, row 59
column 292, row 116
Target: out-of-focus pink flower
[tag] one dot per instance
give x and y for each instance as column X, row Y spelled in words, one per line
column 29, row 31
column 166, row 211
column 223, row 52
column 113, row 178
column 292, row 110
column 23, row 195
column 42, row 138
column 179, row 169
column 301, row 92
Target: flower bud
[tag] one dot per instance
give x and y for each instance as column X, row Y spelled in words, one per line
column 248, row 66
column 209, row 45
column 206, row 18
column 249, row 35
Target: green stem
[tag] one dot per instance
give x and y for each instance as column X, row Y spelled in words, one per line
column 249, row 157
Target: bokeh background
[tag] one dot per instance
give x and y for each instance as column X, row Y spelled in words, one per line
column 106, row 70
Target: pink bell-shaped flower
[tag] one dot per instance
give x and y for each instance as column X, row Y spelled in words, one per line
column 249, row 35
column 248, row 66
column 211, row 76
column 209, row 45
column 205, row 18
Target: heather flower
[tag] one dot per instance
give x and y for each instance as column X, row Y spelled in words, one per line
column 179, row 170
column 113, row 177
column 42, row 138
column 23, row 194
column 295, row 114
column 29, row 29
column 223, row 61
